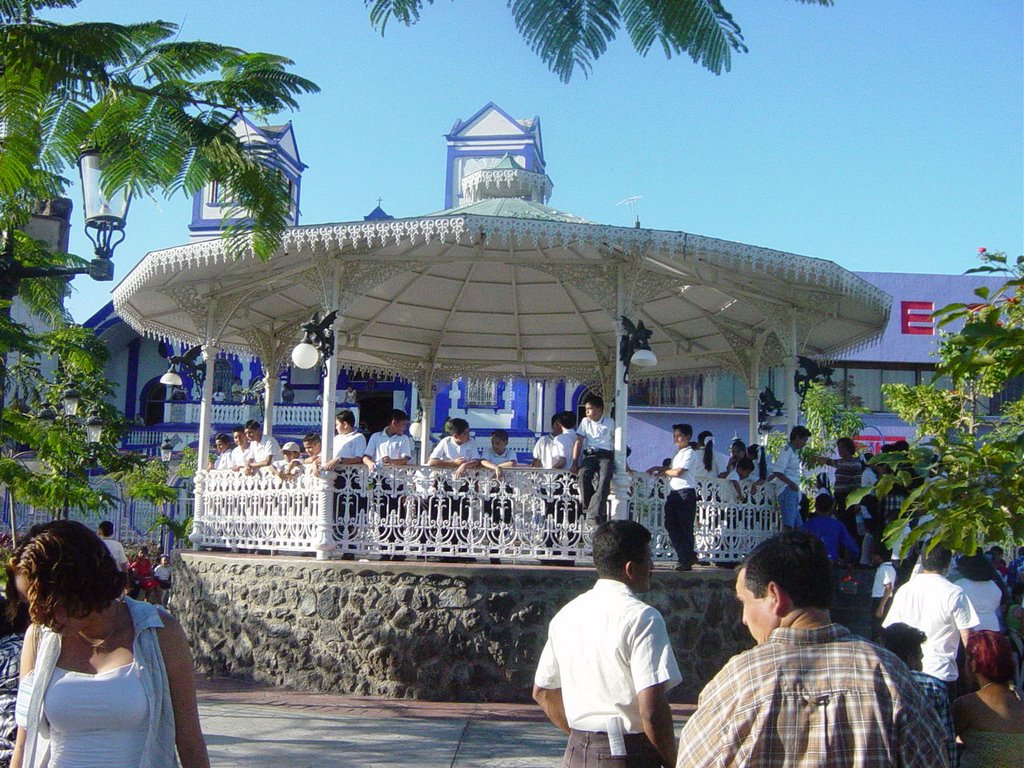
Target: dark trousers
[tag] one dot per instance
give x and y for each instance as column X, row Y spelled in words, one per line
column 590, row 750
column 680, row 514
column 599, row 467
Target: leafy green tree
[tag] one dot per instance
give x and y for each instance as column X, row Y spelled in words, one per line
column 964, row 475
column 160, row 111
column 570, row 35
column 828, row 417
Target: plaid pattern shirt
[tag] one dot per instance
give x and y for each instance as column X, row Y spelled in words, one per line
column 818, row 698
column 937, row 692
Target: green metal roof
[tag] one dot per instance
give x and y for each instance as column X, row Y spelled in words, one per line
column 512, row 208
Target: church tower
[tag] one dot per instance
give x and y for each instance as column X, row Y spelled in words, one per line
column 482, row 141
column 277, row 142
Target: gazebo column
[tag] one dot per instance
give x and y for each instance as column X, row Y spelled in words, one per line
column 752, row 435
column 269, row 391
column 621, row 480
column 792, row 402
column 210, row 351
column 427, row 415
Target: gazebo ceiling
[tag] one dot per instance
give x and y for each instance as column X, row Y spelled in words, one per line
column 437, row 297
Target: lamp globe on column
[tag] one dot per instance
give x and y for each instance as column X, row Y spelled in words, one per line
column 305, row 355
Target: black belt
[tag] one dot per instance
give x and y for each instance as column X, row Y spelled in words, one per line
column 601, row 452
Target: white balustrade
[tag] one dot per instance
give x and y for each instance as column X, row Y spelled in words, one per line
column 414, row 511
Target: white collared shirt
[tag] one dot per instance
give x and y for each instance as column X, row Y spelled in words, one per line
column 567, row 439
column 788, row 463
column 687, row 460
column 548, row 450
column 225, row 460
column 349, row 446
column 603, row 648
column 383, row 445
column 597, row 434
column 265, row 447
column 449, row 450
column 240, row 456
column 495, row 459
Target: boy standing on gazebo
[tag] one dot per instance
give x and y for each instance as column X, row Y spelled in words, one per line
column 593, row 457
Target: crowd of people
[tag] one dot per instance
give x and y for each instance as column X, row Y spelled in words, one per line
column 809, row 693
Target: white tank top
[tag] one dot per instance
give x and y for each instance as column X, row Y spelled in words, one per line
column 96, row 720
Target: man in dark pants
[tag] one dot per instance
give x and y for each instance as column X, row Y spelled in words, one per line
column 593, row 457
column 608, row 663
column 681, row 501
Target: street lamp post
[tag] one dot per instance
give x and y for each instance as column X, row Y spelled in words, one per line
column 105, row 216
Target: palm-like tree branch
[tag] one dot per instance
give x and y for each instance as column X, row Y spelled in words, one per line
column 570, row 35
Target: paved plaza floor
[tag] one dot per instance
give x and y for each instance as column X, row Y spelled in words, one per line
column 259, row 728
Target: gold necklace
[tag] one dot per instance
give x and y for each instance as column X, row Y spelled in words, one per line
column 98, row 647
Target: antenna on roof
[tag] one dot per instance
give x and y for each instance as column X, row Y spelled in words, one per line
column 631, row 202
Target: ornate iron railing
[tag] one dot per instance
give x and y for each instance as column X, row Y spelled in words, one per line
column 526, row 515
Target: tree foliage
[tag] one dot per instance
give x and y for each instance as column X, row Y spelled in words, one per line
column 964, row 474
column 570, row 35
column 159, row 110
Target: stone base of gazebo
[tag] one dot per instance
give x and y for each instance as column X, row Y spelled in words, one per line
column 419, row 630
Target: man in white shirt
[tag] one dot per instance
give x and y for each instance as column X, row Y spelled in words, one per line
column 566, row 435
column 105, row 530
column 224, row 445
column 608, row 661
column 456, row 451
column 940, row 609
column 349, row 445
column 263, row 451
column 786, row 472
column 390, row 447
column 497, row 456
column 594, row 458
column 547, row 451
column 241, row 453
column 681, row 502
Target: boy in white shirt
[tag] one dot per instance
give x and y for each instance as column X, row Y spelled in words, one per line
column 223, row 445
column 594, row 458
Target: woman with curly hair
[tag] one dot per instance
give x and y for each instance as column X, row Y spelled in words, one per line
column 990, row 721
column 105, row 680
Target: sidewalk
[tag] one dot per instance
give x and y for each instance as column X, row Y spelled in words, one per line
column 263, row 728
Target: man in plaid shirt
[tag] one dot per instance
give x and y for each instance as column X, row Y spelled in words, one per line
column 810, row 694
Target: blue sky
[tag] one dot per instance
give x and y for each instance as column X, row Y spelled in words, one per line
column 885, row 136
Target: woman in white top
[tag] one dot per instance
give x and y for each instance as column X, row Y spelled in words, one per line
column 979, row 584
column 105, row 680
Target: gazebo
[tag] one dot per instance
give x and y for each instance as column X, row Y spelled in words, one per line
column 503, row 286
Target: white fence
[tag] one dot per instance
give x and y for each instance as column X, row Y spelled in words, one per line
column 527, row 515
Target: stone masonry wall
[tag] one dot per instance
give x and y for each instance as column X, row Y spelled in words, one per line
column 423, row 631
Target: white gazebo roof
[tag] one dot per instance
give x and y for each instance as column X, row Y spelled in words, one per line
column 502, row 288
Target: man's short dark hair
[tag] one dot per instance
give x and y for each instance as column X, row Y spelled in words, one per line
column 936, row 559
column 798, row 432
column 797, row 562
column 311, row 437
column 345, row 416
column 616, row 542
column 106, row 528
column 398, row 415
column 567, row 419
column 239, row 428
column 501, row 434
column 223, row 437
column 459, row 426
column 253, row 424
column 683, row 429
column 903, row 640
column 595, row 400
